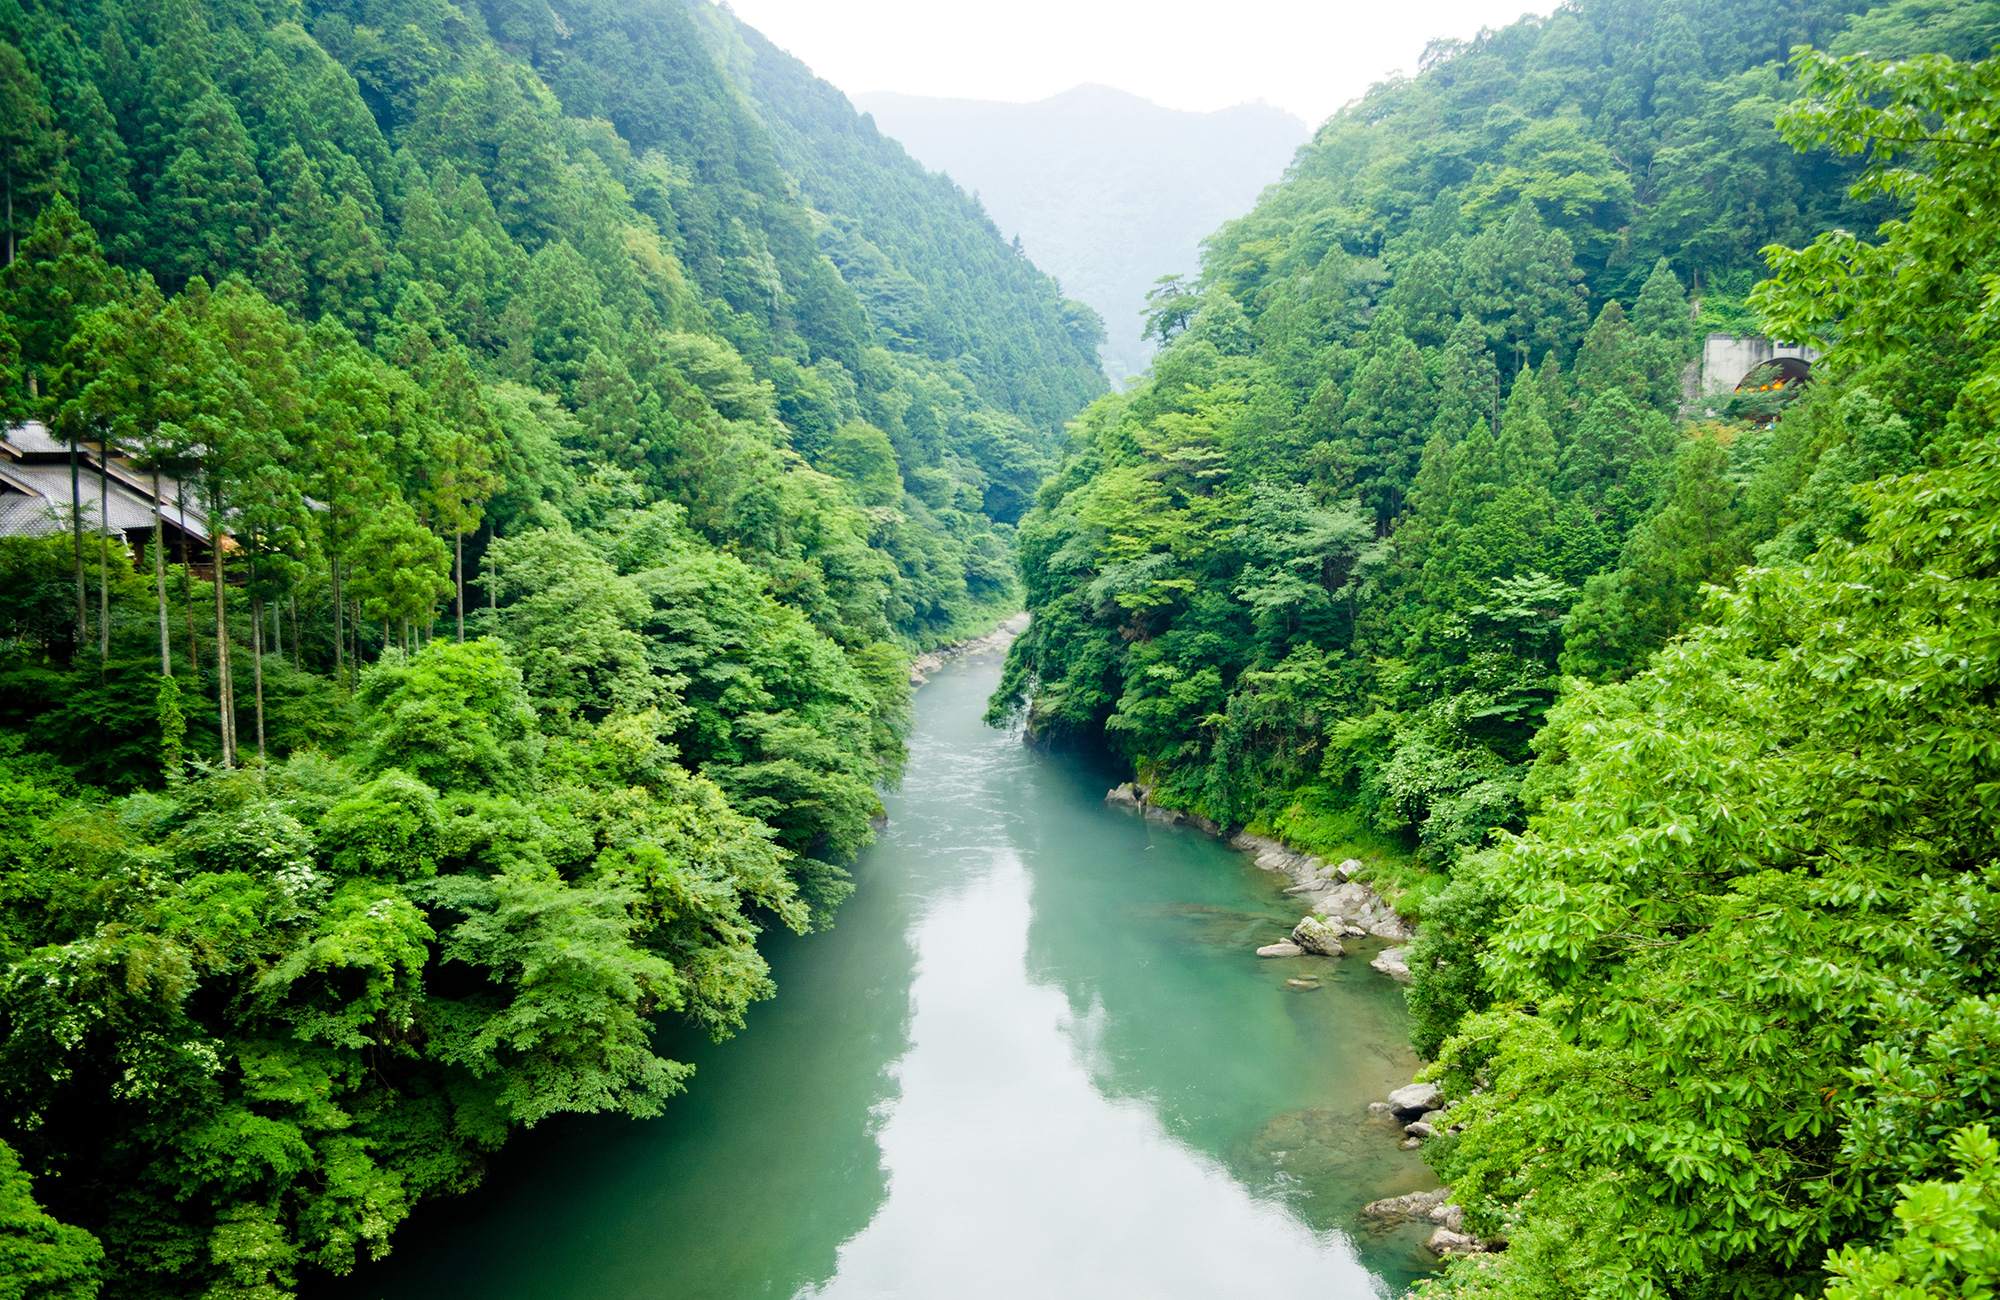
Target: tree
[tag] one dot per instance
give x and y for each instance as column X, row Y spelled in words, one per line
column 401, row 570
column 146, row 370
column 40, row 1259
column 1171, row 305
column 28, row 141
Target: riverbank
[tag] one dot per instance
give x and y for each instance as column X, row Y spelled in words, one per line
column 1035, row 1023
column 1338, row 904
column 1342, row 907
column 998, row 639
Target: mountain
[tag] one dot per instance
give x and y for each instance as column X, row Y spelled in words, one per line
column 600, row 412
column 1107, row 191
column 1672, row 734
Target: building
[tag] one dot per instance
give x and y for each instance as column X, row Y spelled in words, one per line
column 35, row 496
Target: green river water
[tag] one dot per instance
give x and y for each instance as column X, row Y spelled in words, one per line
column 1035, row 1057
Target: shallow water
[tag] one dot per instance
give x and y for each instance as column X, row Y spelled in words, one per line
column 1034, row 1057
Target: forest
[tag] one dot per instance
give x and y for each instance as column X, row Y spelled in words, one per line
column 1669, row 718
column 594, row 415
column 1675, row 725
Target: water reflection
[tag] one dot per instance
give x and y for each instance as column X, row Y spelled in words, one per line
column 1034, row 1057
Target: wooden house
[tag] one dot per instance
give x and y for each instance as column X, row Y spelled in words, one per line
column 36, row 497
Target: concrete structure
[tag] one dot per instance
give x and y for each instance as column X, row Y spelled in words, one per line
column 1726, row 359
column 35, row 496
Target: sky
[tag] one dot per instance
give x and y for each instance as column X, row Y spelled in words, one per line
column 1307, row 58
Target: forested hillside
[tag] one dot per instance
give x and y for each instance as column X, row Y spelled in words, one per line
column 1680, row 729
column 591, row 453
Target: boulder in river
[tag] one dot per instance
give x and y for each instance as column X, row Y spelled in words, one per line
column 1446, row 1242
column 1317, row 936
column 1415, row 1205
column 1417, row 1128
column 1412, row 1100
column 1283, row 949
column 1122, row 796
column 1394, row 963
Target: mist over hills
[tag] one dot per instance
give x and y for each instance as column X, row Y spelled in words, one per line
column 1106, row 190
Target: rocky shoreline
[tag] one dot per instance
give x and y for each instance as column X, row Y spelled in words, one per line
column 1339, row 906
column 998, row 639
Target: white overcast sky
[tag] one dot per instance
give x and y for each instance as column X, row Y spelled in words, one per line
column 1304, row 57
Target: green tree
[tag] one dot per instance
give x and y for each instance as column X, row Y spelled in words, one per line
column 41, row 1259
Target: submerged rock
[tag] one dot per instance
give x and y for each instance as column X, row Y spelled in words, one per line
column 1446, row 1242
column 1415, row 1205
column 1303, row 986
column 1283, row 949
column 1317, row 936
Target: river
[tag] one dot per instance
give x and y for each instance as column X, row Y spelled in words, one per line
column 1034, row 1057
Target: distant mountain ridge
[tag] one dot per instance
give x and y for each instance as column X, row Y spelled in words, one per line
column 1106, row 190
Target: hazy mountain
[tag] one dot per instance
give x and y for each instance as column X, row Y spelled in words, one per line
column 1106, row 190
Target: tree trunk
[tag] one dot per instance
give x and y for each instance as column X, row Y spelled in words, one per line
column 76, row 536
column 225, row 694
column 298, row 646
column 160, row 578
column 103, row 559
column 257, row 658
column 187, row 581
column 339, row 632
column 458, row 538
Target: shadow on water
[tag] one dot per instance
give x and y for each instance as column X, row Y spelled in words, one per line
column 745, row 1187
column 1265, row 1065
column 1035, row 1056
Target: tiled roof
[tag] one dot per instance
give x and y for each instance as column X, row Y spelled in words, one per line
column 43, row 507
column 33, row 439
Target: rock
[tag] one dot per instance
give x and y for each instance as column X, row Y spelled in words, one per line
column 1418, row 1129
column 1286, row 949
column 1345, row 871
column 1303, row 986
column 1356, row 932
column 1410, row 1144
column 1122, row 796
column 1377, row 1107
column 1301, row 889
column 1356, row 904
column 1414, row 1205
column 1412, row 1100
column 1449, row 1216
column 1446, row 1242
column 1393, row 963
column 1203, row 824
column 1316, row 936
